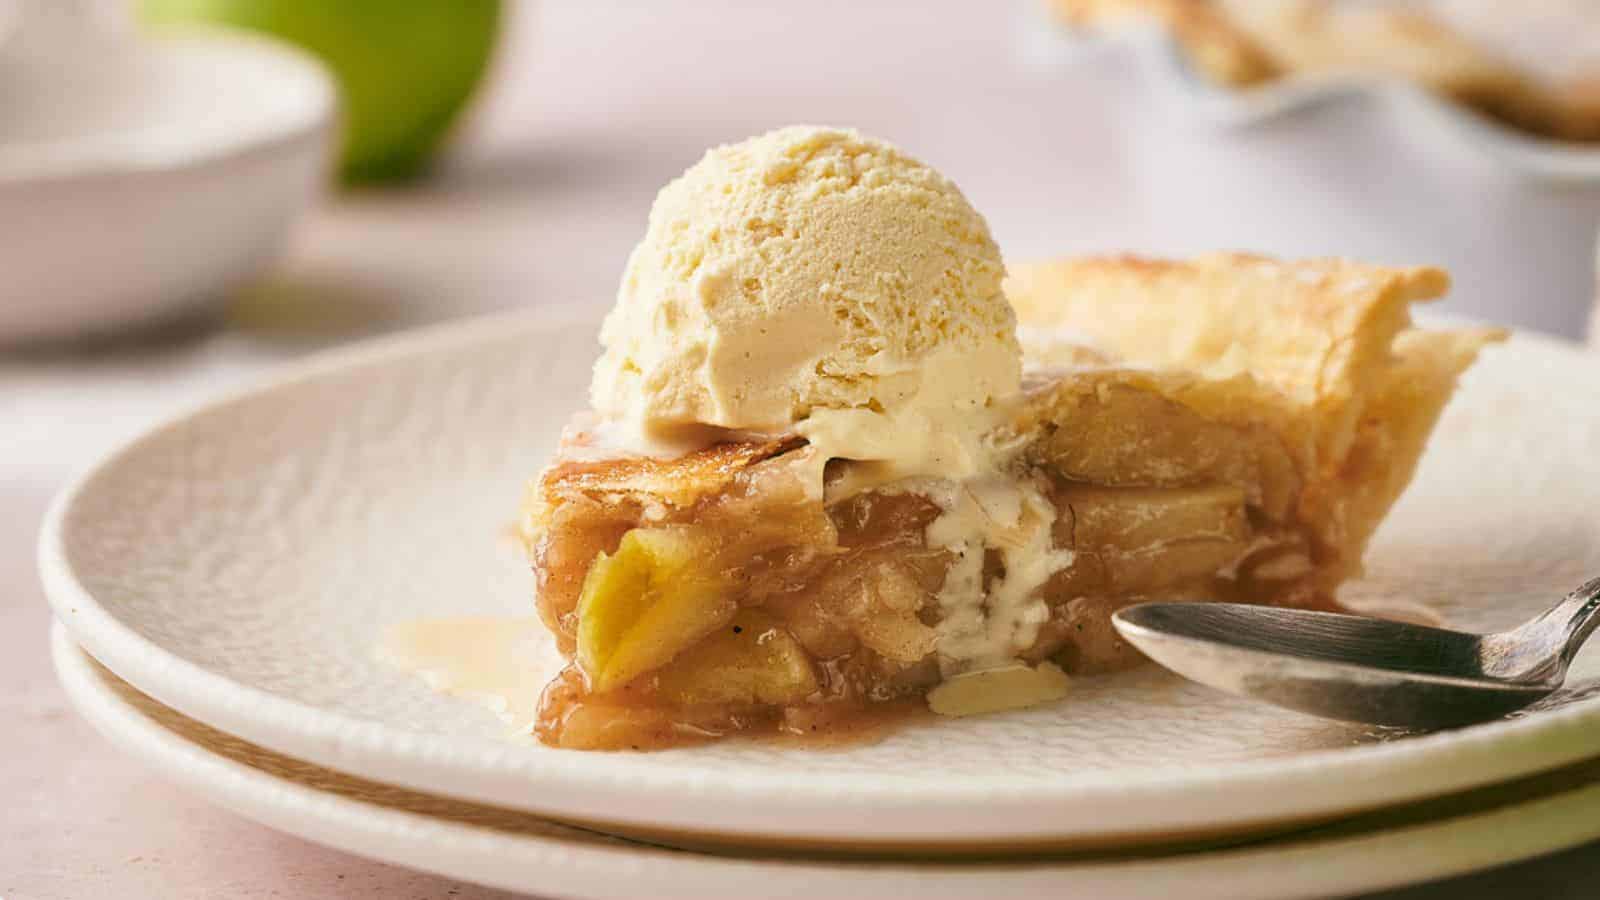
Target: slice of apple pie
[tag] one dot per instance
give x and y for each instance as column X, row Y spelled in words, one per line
column 1231, row 428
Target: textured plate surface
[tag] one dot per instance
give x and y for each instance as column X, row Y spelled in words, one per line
column 239, row 562
column 513, row 850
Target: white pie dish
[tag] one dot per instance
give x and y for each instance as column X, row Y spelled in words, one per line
column 239, row 563
column 143, row 179
column 1350, row 165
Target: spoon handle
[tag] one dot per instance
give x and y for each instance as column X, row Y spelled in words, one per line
column 1544, row 647
column 1580, row 614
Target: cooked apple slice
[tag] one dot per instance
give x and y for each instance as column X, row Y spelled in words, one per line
column 641, row 606
column 1128, row 428
column 1149, row 538
column 750, row 661
column 886, row 618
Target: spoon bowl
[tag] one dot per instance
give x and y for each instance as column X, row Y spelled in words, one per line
column 1362, row 669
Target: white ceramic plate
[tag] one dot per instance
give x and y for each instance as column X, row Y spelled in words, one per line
column 518, row 851
column 238, row 563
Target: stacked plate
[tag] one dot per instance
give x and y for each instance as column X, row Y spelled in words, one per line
column 223, row 581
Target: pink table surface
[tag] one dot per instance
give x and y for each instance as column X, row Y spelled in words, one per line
column 592, row 109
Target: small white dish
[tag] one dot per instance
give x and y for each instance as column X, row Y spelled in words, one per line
column 516, row 851
column 142, row 178
column 240, row 563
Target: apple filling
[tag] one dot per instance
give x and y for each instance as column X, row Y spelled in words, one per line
column 762, row 606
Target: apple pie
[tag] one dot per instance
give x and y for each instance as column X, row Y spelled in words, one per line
column 1229, row 428
column 1530, row 65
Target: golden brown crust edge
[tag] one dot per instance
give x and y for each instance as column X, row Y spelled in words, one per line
column 1316, row 331
column 643, row 481
column 1331, row 337
column 1399, row 419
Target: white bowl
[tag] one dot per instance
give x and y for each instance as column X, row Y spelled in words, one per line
column 1353, row 165
column 141, row 180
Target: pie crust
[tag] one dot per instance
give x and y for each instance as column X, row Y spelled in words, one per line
column 1229, row 428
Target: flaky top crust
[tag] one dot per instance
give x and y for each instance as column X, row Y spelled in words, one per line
column 642, row 481
column 1316, row 331
column 1321, row 352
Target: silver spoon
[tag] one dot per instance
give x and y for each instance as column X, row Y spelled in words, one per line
column 1361, row 669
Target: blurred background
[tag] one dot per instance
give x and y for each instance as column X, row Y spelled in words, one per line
column 496, row 154
column 181, row 209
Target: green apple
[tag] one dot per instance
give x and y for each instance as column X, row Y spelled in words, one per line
column 405, row 68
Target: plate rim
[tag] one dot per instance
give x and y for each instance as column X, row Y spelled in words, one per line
column 496, row 858
column 580, row 786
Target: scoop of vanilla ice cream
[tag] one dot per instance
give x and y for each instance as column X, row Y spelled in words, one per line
column 804, row 271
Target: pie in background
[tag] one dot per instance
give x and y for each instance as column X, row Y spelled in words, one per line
column 1531, row 65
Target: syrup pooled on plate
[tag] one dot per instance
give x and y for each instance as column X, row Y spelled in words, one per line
column 492, row 661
